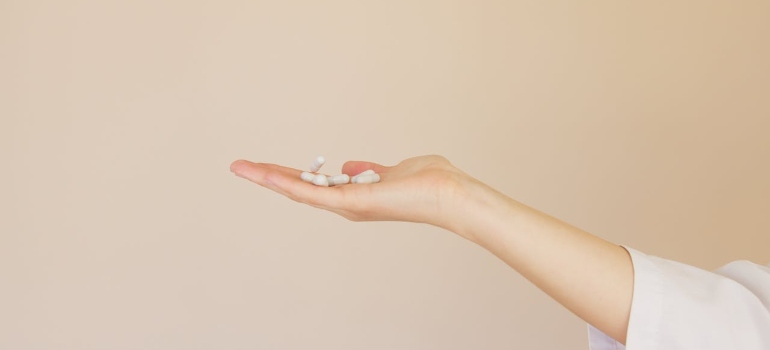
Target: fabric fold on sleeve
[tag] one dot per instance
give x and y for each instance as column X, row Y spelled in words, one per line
column 677, row 306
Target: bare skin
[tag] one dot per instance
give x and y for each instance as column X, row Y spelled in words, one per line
column 591, row 277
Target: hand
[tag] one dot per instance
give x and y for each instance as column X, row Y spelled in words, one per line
column 425, row 189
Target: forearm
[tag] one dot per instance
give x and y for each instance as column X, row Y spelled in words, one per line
column 591, row 277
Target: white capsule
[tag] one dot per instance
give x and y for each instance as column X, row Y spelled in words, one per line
column 306, row 176
column 320, row 180
column 318, row 162
column 366, row 179
column 367, row 172
column 338, row 179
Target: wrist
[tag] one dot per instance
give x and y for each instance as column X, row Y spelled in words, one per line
column 476, row 207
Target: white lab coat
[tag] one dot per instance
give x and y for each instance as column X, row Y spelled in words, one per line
column 677, row 306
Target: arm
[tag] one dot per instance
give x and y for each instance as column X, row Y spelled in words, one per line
column 591, row 277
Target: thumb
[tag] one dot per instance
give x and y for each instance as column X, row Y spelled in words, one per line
column 355, row 167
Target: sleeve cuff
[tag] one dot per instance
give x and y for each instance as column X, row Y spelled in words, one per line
column 646, row 309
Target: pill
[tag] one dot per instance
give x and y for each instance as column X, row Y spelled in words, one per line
column 366, row 179
column 320, row 180
column 318, row 162
column 307, row 176
column 338, row 179
column 367, row 172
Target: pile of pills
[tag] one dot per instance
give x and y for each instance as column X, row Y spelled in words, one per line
column 312, row 176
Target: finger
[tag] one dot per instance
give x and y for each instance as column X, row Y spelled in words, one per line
column 287, row 182
column 263, row 174
column 258, row 172
column 355, row 167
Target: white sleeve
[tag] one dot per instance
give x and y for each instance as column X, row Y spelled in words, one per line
column 677, row 307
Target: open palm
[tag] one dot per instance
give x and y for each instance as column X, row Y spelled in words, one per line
column 422, row 189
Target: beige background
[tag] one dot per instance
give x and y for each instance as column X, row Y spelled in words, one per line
column 122, row 228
